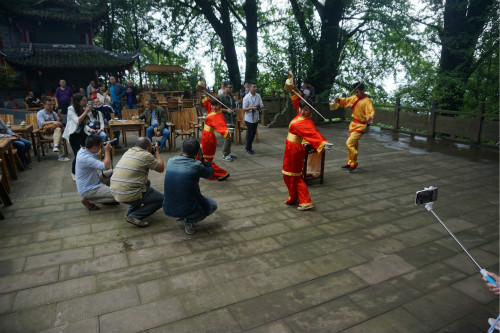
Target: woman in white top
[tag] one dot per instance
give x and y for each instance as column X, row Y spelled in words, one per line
column 75, row 125
column 96, row 124
column 104, row 95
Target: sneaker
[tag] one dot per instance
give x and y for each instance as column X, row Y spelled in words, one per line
column 89, row 206
column 73, row 176
column 137, row 222
column 187, row 226
column 227, row 158
column 226, row 176
column 345, row 167
column 305, row 207
column 55, row 149
column 63, row 159
column 251, row 152
column 491, row 321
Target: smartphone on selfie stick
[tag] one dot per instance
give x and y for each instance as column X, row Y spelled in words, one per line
column 427, row 197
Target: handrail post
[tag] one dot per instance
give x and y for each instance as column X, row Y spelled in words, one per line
column 432, row 119
column 479, row 122
column 397, row 108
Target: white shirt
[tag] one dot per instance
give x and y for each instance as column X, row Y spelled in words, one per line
column 252, row 116
column 105, row 99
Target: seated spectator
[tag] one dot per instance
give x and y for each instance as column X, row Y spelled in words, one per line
column 106, row 112
column 156, row 121
column 130, row 184
column 22, row 145
column 182, row 198
column 93, row 93
column 96, row 124
column 82, row 91
column 32, row 101
column 131, row 96
column 49, row 124
column 93, row 175
column 104, row 95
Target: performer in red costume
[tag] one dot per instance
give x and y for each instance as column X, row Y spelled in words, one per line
column 214, row 122
column 301, row 128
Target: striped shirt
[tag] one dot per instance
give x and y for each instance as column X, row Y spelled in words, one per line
column 131, row 174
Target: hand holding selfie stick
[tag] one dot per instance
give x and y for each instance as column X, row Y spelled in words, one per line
column 427, row 197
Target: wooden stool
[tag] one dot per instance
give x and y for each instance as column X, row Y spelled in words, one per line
column 309, row 150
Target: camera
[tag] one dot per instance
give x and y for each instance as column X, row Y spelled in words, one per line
column 154, row 146
column 427, row 195
column 259, row 109
column 113, row 142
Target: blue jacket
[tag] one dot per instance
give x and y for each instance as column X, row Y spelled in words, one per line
column 120, row 90
column 182, row 196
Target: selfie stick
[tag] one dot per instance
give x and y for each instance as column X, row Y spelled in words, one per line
column 428, row 206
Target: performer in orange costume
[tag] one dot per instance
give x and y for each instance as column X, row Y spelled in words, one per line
column 362, row 114
column 214, row 122
column 301, row 128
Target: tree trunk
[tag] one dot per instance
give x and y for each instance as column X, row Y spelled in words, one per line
column 251, row 42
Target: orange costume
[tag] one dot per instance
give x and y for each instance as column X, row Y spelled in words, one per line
column 300, row 128
column 214, row 122
column 362, row 110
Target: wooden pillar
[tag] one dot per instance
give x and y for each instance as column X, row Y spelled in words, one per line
column 432, row 119
column 478, row 123
column 397, row 108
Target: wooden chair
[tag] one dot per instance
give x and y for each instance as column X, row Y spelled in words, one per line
column 187, row 103
column 40, row 142
column 307, row 170
column 7, row 117
column 180, row 126
column 196, row 124
column 127, row 114
column 173, row 105
column 32, row 108
column 241, row 126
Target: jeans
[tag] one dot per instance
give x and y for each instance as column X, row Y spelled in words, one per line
column 22, row 146
column 132, row 106
column 200, row 215
column 251, row 130
column 117, row 107
column 151, row 201
column 150, row 132
column 76, row 140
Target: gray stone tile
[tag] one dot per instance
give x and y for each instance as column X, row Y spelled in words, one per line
column 28, row 279
column 334, row 262
column 143, row 317
column 475, row 288
column 250, row 248
column 61, row 232
column 93, row 305
column 58, row 258
column 235, row 269
column 90, row 239
column 425, row 254
column 434, row 276
column 90, row 325
column 29, row 320
column 278, row 326
column 30, row 249
column 12, row 266
column 93, row 266
column 299, row 236
column 6, row 302
column 382, row 269
column 157, row 253
column 55, row 292
column 134, row 274
column 195, row 261
column 463, row 263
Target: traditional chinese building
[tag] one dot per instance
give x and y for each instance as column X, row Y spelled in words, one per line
column 49, row 40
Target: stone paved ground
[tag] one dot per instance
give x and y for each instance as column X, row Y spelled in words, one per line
column 366, row 259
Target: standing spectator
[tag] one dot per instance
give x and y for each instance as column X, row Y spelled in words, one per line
column 221, row 90
column 75, row 127
column 307, row 89
column 104, row 95
column 182, row 198
column 156, row 121
column 117, row 92
column 228, row 100
column 131, row 96
column 89, row 89
column 64, row 97
column 93, row 93
column 22, row 145
column 83, row 92
column 49, row 124
column 92, row 174
column 252, row 105
column 130, row 184
column 244, row 90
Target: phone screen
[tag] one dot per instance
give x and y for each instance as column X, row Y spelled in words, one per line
column 426, row 196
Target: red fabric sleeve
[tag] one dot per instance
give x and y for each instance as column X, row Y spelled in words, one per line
column 307, row 130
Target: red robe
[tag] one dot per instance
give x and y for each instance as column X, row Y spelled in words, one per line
column 214, row 122
column 300, row 129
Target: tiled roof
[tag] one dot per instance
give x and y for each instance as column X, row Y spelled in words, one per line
column 57, row 10
column 67, row 56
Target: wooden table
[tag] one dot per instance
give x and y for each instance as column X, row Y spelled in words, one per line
column 127, row 125
column 26, row 132
column 5, row 145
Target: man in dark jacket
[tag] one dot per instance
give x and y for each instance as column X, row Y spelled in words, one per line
column 131, row 96
column 182, row 198
column 117, row 93
column 155, row 118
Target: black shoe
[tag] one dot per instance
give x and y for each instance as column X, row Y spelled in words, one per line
column 114, row 203
column 27, row 167
column 226, row 176
column 351, row 169
column 346, row 167
column 251, row 152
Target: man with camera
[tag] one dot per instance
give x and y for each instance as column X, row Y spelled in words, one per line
column 252, row 105
column 130, row 184
column 182, row 197
column 92, row 175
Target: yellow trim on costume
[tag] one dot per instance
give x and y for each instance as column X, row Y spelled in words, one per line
column 321, row 147
column 208, row 128
column 226, row 134
column 294, row 96
column 292, row 174
column 306, row 204
column 208, row 156
column 205, row 99
column 293, row 138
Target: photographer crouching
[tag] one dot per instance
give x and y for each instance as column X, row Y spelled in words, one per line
column 130, row 184
column 92, row 175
